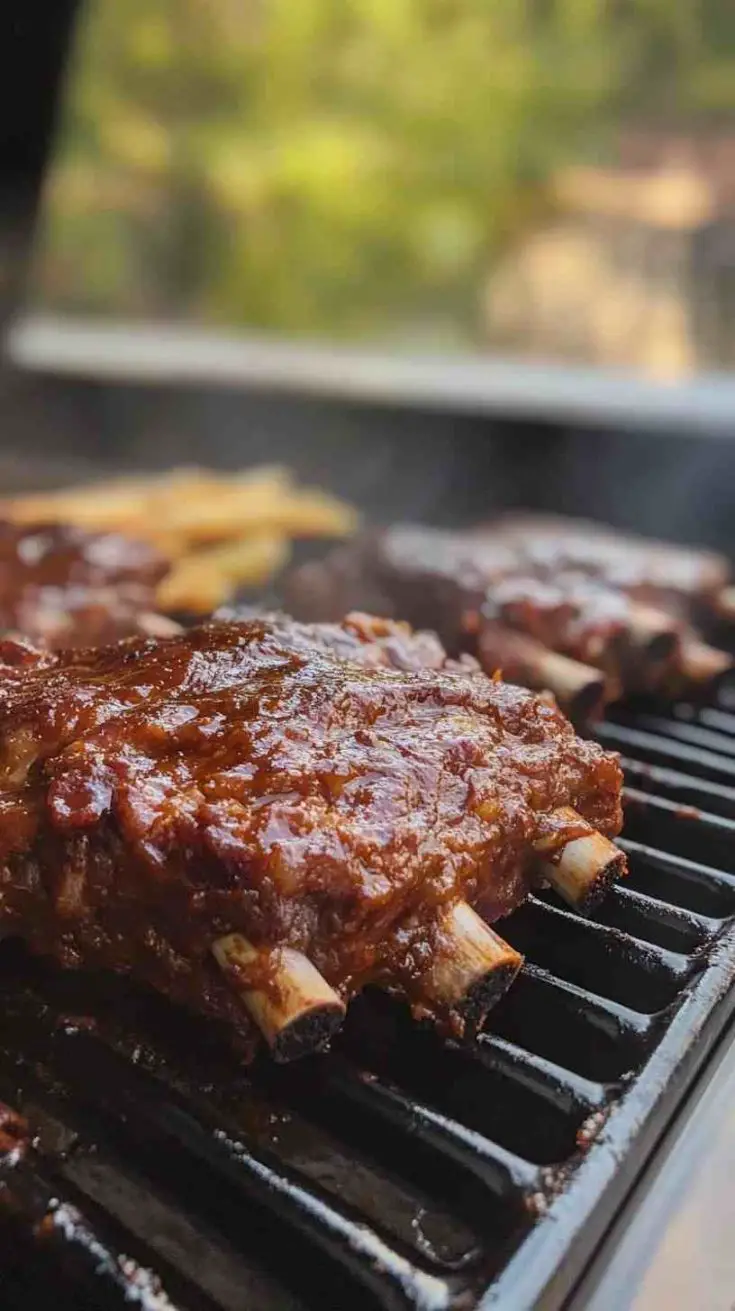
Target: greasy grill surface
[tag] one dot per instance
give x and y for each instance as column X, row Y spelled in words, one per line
column 399, row 1171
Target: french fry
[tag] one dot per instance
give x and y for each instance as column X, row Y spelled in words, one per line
column 311, row 512
column 129, row 502
column 263, row 500
column 104, row 505
column 224, row 508
column 122, row 503
column 295, row 513
column 204, row 580
column 193, row 588
column 194, row 505
column 220, row 531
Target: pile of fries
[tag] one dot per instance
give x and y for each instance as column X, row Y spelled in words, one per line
column 221, row 531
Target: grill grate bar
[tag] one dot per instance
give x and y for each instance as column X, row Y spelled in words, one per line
column 663, row 750
column 706, row 873
column 607, row 1014
column 161, row 1218
column 591, row 1035
column 500, row 1170
column 716, row 823
column 77, row 1249
column 173, row 1135
column 575, row 1094
column 600, row 958
column 689, row 712
column 695, row 735
column 723, row 721
column 704, row 888
column 696, row 834
column 650, row 918
column 683, row 789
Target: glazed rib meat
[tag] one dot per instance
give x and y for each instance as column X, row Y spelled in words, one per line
column 684, row 580
column 584, row 615
column 477, row 594
column 666, row 593
column 338, row 795
column 62, row 586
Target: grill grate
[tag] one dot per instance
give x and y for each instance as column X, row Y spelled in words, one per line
column 400, row 1171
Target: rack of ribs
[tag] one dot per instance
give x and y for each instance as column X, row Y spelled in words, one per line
column 573, row 609
column 63, row 586
column 259, row 818
column 687, row 585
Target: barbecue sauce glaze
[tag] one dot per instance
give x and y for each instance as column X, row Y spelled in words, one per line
column 327, row 788
column 62, row 586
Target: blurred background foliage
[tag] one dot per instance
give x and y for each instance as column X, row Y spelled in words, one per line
column 350, row 166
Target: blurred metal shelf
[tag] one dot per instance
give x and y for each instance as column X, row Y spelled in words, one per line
column 147, row 353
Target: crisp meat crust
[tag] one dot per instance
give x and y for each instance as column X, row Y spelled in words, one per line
column 62, row 586
column 243, row 777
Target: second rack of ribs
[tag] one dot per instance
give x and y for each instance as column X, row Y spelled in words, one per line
column 331, row 791
column 567, row 608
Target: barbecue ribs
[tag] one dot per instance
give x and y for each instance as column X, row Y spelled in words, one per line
column 62, row 586
column 573, row 609
column 686, row 580
column 314, row 808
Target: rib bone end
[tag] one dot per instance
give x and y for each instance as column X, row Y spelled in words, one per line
column 701, row 663
column 472, row 967
column 584, row 870
column 294, row 1007
column 654, row 634
column 580, row 690
column 725, row 604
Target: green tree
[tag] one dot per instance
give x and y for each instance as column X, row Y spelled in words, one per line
column 344, row 165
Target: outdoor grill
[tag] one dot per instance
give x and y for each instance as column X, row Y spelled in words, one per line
column 399, row 1171
column 141, row 1165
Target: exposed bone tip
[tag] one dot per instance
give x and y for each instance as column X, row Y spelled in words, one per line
column 153, row 624
column 589, row 701
column 480, row 998
column 472, row 967
column 654, row 633
column 725, row 604
column 607, row 874
column 585, row 868
column 298, row 1012
column 308, row 1033
column 700, row 663
column 581, row 690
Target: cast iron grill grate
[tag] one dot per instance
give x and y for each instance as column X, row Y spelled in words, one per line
column 400, row 1171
